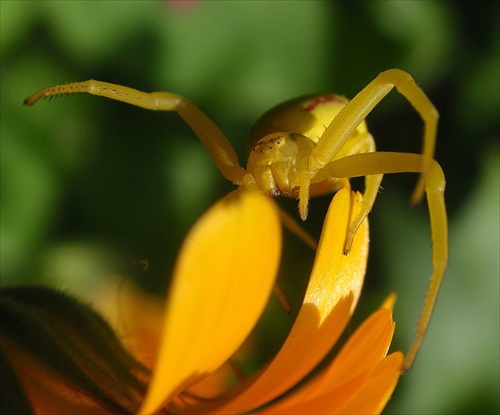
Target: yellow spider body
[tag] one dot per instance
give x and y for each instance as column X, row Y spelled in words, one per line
column 311, row 146
column 284, row 137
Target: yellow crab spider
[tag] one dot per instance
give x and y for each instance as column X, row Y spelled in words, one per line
column 311, row 146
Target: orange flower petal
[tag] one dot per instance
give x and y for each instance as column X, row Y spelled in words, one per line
column 374, row 395
column 367, row 393
column 300, row 403
column 365, row 348
column 46, row 391
column 333, row 289
column 350, row 369
column 222, row 281
column 140, row 321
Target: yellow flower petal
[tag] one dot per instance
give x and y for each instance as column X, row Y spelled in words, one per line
column 222, row 281
column 333, row 290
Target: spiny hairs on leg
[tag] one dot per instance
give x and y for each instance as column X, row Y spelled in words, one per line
column 53, row 91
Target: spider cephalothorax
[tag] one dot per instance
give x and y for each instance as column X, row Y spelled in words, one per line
column 275, row 161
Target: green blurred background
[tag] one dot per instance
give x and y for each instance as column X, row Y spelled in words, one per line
column 89, row 186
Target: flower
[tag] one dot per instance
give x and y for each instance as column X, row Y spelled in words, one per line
column 222, row 281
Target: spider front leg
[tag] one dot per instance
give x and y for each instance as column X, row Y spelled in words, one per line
column 359, row 143
column 362, row 143
column 209, row 134
column 369, row 196
column 384, row 163
column 346, row 121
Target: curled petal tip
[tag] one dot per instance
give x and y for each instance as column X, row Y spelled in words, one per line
column 389, row 301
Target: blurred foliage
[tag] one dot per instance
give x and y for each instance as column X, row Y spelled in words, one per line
column 90, row 186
